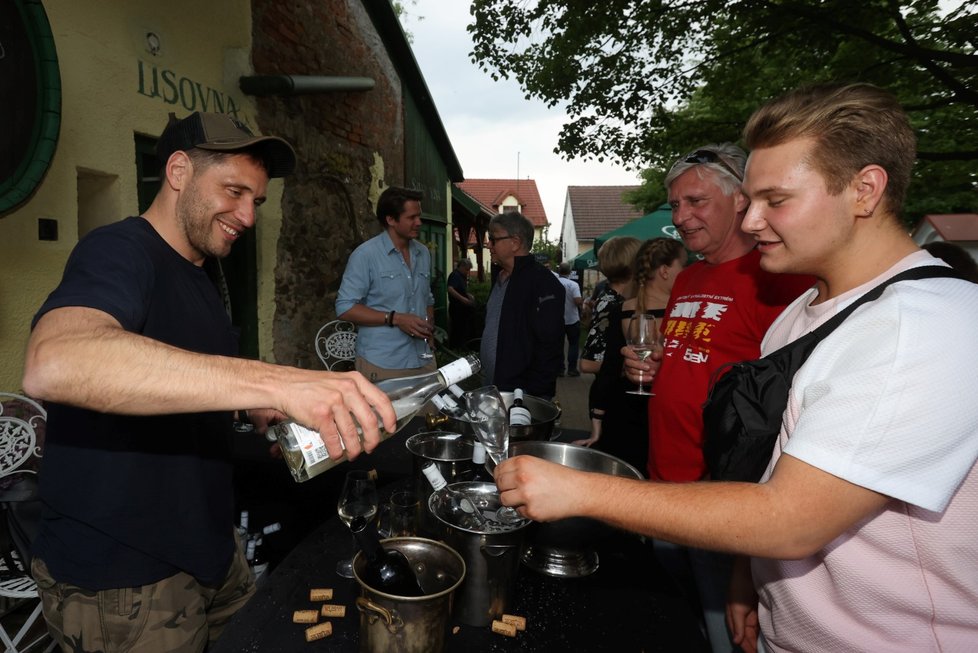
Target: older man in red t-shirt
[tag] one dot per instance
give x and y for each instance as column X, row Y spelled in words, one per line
column 718, row 312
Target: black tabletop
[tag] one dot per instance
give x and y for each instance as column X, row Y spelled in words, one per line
column 628, row 604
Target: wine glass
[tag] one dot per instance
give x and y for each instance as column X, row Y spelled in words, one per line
column 643, row 339
column 490, row 422
column 358, row 498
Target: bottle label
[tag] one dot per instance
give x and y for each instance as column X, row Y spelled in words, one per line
column 310, row 444
column 520, row 416
column 434, row 477
column 456, row 371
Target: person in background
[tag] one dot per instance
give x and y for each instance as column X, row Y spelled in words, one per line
column 616, row 260
column 614, row 410
column 461, row 304
column 522, row 343
column 572, row 318
column 587, row 311
column 135, row 358
column 386, row 292
column 955, row 256
column 861, row 533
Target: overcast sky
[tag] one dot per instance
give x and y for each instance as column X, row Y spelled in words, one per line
column 493, row 129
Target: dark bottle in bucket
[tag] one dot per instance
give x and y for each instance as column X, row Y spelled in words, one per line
column 385, row 570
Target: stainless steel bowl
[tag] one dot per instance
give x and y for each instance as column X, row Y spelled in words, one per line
column 545, row 416
column 566, row 547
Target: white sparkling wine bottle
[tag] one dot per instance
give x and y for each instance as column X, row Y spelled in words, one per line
column 452, row 504
column 304, row 450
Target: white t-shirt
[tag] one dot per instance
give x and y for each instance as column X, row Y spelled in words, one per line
column 572, row 312
column 888, row 401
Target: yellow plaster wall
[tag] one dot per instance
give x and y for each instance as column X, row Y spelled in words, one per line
column 100, row 44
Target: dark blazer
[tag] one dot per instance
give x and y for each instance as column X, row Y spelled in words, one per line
column 530, row 345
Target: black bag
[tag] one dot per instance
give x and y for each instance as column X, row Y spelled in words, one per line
column 745, row 406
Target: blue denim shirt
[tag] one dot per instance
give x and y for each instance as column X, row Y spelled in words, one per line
column 377, row 277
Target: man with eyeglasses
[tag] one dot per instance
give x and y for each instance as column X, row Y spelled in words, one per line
column 523, row 340
column 718, row 312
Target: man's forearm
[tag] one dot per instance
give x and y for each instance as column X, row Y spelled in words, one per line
column 94, row 363
column 362, row 315
column 794, row 514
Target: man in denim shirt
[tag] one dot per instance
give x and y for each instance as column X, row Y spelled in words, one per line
column 386, row 292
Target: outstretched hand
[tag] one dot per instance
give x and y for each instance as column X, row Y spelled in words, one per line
column 539, row 489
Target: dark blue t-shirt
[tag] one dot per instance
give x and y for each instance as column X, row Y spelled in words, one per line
column 130, row 500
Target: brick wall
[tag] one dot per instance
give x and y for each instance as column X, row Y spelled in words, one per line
column 339, row 138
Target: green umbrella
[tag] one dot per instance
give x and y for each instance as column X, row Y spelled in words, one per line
column 655, row 224
column 585, row 261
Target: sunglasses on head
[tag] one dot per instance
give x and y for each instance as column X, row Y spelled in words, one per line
column 709, row 156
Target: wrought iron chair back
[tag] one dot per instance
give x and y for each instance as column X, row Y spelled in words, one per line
column 22, row 428
column 336, row 345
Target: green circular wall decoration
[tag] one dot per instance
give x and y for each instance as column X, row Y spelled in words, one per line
column 30, row 85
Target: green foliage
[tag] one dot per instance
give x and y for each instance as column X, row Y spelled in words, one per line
column 643, row 81
column 544, row 246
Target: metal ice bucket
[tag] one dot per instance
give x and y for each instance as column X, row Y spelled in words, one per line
column 566, row 547
column 416, row 624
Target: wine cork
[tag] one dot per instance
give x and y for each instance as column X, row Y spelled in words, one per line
column 515, row 620
column 320, row 594
column 305, row 617
column 503, row 628
column 320, row 631
column 331, row 610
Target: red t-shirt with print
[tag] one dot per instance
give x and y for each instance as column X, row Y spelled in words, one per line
column 717, row 314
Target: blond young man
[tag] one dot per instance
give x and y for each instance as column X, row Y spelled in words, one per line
column 861, row 534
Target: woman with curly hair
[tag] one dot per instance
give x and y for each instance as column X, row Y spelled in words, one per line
column 619, row 421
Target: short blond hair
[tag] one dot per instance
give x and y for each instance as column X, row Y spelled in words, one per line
column 616, row 256
column 853, row 126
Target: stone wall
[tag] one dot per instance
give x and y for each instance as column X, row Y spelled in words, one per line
column 349, row 144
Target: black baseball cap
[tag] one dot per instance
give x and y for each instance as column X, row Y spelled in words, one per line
column 222, row 133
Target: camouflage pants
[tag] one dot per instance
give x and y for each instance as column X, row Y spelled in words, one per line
column 175, row 614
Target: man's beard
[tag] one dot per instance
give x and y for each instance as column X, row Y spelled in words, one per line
column 192, row 216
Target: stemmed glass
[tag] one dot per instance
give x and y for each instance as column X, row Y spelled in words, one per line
column 490, row 422
column 643, row 339
column 358, row 498
column 427, row 354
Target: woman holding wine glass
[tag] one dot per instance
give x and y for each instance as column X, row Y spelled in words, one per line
column 619, row 419
column 358, row 498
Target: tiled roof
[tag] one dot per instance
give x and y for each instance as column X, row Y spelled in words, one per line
column 954, row 226
column 490, row 192
column 599, row 209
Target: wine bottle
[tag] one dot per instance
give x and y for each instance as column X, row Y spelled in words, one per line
column 451, row 504
column 384, row 570
column 482, row 474
column 519, row 415
column 447, row 405
column 304, row 450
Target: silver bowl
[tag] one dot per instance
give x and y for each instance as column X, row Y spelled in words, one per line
column 566, row 547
